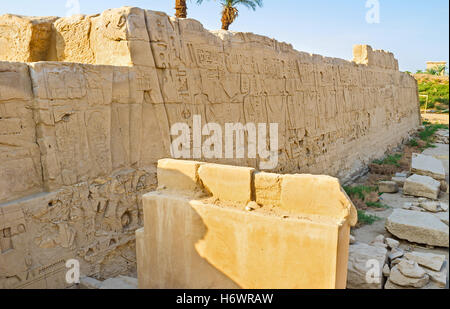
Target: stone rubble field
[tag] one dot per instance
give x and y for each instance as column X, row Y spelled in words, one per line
column 410, row 244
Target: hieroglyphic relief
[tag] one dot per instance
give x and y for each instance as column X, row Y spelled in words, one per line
column 79, row 139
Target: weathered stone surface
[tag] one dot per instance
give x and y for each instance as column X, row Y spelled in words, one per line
column 443, row 216
column 359, row 256
column 438, row 277
column 205, row 243
column 400, row 279
column 117, row 283
column 392, row 286
column 427, row 166
column 430, row 260
column 387, row 187
column 392, row 243
column 395, row 254
column 419, row 227
column 90, row 129
column 424, row 186
column 386, row 270
column 432, row 206
column 410, row 269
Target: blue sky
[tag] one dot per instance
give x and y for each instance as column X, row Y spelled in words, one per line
column 416, row 31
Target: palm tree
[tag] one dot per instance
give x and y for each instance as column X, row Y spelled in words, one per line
column 181, row 8
column 230, row 12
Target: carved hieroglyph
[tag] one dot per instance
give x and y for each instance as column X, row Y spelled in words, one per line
column 81, row 130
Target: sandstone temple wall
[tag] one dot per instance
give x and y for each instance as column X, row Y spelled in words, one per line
column 87, row 103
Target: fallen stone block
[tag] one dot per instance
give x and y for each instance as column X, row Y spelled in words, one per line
column 359, row 264
column 429, row 260
column 427, row 166
column 392, row 243
column 387, row 187
column 400, row 279
column 418, row 227
column 411, row 269
column 422, row 186
column 438, row 277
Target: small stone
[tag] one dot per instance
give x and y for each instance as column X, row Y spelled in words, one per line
column 444, row 206
column 427, row 166
column 431, row 206
column 430, row 260
column 439, row 277
column 352, row 239
column 395, row 254
column 396, row 261
column 411, row 269
column 398, row 278
column 386, row 270
column 379, row 238
column 249, row 208
column 392, row 243
column 407, row 205
column 387, row 187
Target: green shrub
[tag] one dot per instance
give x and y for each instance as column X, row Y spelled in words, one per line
column 376, row 205
column 390, row 160
column 358, row 191
column 366, row 218
column 413, row 143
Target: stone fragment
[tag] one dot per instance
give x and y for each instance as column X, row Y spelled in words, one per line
column 424, row 186
column 402, row 174
column 358, row 266
column 410, row 269
column 431, row 206
column 352, row 239
column 427, row 166
column 386, row 270
column 400, row 181
column 392, row 243
column 444, row 206
column 387, row 187
column 395, row 254
column 418, row 227
column 398, row 278
column 430, row 260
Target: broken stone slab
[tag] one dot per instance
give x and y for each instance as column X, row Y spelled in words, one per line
column 418, row 227
column 429, row 260
column 427, row 166
column 439, row 277
column 387, row 187
column 411, row 269
column 392, row 286
column 422, row 186
column 400, row 279
column 358, row 266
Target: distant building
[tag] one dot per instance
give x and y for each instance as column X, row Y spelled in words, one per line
column 436, row 64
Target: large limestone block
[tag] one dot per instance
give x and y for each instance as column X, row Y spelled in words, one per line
column 427, row 166
column 423, row 186
column 362, row 258
column 218, row 242
column 419, row 227
column 190, row 244
column 227, row 183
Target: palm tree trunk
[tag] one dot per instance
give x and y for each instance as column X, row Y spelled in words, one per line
column 181, row 8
